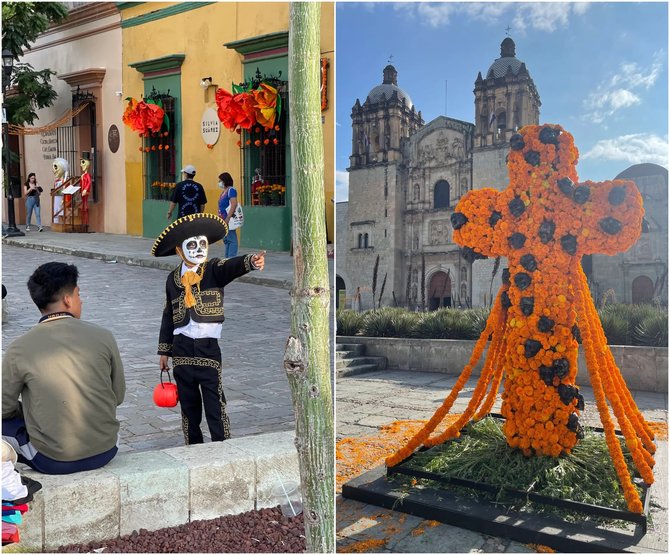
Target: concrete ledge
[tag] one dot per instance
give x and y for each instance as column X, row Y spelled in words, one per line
column 643, row 368
column 158, row 489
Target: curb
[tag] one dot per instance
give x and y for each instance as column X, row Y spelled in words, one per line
column 137, row 261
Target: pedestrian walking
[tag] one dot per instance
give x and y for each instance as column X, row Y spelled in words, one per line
column 33, row 192
column 193, row 319
column 227, row 205
column 188, row 194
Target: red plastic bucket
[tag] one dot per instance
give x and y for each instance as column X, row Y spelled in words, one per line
column 165, row 394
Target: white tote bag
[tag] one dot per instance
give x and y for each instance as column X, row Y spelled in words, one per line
column 237, row 219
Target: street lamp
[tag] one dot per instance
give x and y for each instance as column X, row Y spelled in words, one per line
column 7, row 68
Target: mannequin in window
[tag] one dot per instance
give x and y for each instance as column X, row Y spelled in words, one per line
column 85, row 164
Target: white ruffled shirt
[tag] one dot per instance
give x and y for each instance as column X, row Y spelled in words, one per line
column 198, row 330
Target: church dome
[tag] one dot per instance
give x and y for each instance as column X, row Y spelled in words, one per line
column 385, row 91
column 507, row 60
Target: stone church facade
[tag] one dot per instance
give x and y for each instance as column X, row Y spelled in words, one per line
column 405, row 179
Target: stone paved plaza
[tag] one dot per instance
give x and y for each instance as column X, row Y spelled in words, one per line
column 128, row 300
column 367, row 401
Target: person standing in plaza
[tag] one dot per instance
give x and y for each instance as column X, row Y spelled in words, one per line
column 193, row 318
column 33, row 192
column 227, row 206
column 188, row 194
column 69, row 377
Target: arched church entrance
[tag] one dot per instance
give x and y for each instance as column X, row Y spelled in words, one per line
column 340, row 292
column 643, row 290
column 439, row 291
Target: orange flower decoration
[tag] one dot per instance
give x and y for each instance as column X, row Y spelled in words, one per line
column 265, row 98
column 543, row 223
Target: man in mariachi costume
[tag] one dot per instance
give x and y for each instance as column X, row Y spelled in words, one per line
column 193, row 317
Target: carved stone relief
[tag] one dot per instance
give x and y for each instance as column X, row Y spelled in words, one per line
column 439, row 232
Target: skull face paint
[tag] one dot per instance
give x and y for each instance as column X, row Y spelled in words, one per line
column 194, row 249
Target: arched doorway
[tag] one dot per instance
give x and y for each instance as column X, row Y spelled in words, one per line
column 643, row 290
column 340, row 293
column 439, row 291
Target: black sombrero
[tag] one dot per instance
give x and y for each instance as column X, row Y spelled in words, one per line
column 209, row 225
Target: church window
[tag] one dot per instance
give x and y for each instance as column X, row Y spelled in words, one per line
column 501, row 120
column 365, row 241
column 360, row 240
column 386, row 212
column 441, row 194
column 417, row 192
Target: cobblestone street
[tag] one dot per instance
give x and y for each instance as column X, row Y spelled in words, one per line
column 128, row 300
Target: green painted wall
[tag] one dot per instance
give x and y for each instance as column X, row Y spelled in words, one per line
column 261, row 225
column 154, row 217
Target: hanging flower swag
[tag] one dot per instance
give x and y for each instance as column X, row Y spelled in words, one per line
column 146, row 116
column 249, row 104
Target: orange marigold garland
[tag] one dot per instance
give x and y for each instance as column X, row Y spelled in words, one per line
column 544, row 222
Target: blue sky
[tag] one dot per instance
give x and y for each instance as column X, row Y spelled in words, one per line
column 601, row 69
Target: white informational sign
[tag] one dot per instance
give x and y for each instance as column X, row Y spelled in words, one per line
column 210, row 126
column 70, row 189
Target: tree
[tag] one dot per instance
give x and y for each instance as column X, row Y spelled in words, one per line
column 307, row 356
column 22, row 23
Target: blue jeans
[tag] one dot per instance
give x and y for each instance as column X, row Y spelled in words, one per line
column 231, row 243
column 32, row 203
column 15, row 433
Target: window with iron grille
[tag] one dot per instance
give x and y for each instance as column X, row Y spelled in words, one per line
column 264, row 152
column 158, row 152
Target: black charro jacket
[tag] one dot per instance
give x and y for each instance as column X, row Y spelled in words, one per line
column 216, row 273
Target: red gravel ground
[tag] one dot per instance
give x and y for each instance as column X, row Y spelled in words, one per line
column 262, row 531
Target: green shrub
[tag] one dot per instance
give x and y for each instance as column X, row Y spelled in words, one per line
column 388, row 322
column 349, row 322
column 479, row 316
column 614, row 326
column 652, row 330
column 446, row 323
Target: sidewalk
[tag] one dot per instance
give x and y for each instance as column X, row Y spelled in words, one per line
column 136, row 251
column 366, row 402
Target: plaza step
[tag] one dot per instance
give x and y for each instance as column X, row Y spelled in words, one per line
column 350, row 360
column 357, row 348
column 158, row 489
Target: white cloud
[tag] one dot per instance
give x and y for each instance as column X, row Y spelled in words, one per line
column 616, row 92
column 341, row 186
column 544, row 16
column 635, row 149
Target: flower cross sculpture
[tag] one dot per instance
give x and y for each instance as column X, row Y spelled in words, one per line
column 544, row 222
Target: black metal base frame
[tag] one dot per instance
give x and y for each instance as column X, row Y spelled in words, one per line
column 374, row 487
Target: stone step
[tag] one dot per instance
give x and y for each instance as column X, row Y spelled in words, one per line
column 358, row 348
column 380, row 362
column 355, row 370
column 342, row 355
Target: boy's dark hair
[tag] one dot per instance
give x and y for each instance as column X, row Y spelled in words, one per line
column 50, row 281
column 227, row 179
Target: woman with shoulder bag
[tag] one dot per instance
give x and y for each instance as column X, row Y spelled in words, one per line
column 228, row 204
column 33, row 191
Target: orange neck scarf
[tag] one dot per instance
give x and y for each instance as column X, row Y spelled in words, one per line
column 188, row 280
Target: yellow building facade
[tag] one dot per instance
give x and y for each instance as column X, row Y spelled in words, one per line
column 171, row 53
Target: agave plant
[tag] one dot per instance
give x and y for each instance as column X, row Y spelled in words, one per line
column 615, row 325
column 349, row 322
column 446, row 323
column 388, row 322
column 652, row 330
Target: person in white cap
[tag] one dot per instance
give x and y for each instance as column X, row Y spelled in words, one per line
column 188, row 194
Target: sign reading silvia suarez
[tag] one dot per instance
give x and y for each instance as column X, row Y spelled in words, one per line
column 210, row 127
